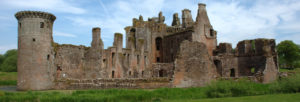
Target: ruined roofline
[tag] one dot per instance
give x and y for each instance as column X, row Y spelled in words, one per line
column 35, row 14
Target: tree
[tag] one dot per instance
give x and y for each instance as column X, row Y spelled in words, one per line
column 1, row 59
column 9, row 61
column 289, row 53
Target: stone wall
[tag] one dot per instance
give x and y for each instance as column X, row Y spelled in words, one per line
column 194, row 66
column 130, row 83
column 162, row 70
column 171, row 43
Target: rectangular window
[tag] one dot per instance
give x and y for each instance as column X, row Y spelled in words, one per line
column 157, row 59
column 41, row 24
column 112, row 58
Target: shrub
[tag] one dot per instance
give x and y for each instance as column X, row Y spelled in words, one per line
column 287, row 85
column 9, row 62
column 231, row 88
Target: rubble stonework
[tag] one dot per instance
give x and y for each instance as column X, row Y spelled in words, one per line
column 156, row 55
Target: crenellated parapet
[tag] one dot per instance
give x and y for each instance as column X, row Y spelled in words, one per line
column 35, row 14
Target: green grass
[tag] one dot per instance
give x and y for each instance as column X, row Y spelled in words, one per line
column 217, row 90
column 8, row 78
column 261, row 98
column 296, row 70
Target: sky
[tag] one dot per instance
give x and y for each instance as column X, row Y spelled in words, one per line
column 234, row 20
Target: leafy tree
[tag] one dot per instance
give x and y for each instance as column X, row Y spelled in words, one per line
column 289, row 53
column 1, row 59
column 9, row 61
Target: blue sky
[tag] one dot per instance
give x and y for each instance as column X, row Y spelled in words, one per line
column 235, row 20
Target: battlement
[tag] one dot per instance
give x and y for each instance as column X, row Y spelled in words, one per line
column 35, row 14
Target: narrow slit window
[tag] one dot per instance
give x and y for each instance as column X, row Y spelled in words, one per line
column 138, row 59
column 48, row 57
column 112, row 74
column 33, row 39
column 112, row 57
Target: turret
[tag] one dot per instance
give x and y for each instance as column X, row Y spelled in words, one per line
column 161, row 18
column 118, row 42
column 187, row 19
column 35, row 54
column 202, row 15
column 97, row 43
column 176, row 21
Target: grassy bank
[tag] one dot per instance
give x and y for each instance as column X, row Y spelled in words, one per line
column 8, row 78
column 222, row 88
column 217, row 90
column 260, row 98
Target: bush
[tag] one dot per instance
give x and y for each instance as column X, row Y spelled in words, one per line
column 287, row 85
column 9, row 61
column 231, row 88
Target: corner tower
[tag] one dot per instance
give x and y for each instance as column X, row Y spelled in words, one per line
column 35, row 54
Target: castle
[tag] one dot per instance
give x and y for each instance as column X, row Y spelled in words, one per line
column 185, row 54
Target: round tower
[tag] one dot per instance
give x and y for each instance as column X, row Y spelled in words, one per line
column 35, row 58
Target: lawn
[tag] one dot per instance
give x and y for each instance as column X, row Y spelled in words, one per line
column 8, row 78
column 262, row 98
column 295, row 70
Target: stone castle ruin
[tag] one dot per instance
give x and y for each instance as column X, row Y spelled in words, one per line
column 185, row 54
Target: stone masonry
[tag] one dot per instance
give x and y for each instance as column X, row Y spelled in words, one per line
column 185, row 54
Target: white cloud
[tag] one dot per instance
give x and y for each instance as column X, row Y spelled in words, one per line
column 57, row 33
column 45, row 5
column 4, row 48
column 235, row 22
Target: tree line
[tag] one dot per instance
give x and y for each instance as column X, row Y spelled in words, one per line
column 288, row 55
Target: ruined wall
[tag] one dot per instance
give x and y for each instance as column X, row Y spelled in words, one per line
column 171, row 44
column 162, row 70
column 225, row 61
column 258, row 58
column 69, row 61
column 194, row 66
column 204, row 31
column 131, row 83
